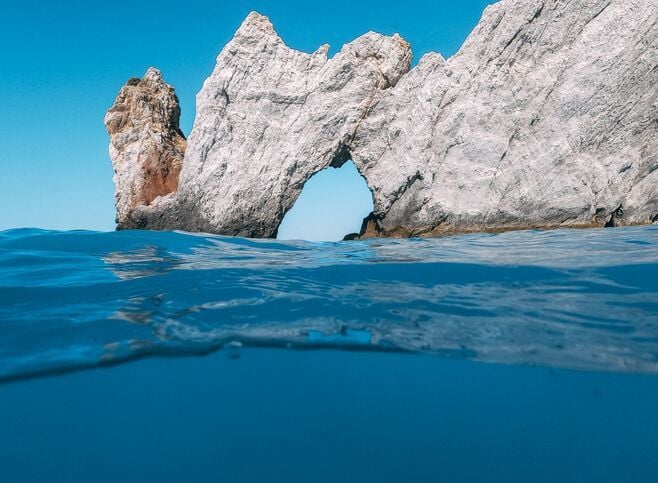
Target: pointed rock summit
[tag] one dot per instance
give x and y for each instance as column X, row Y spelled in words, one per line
column 546, row 117
column 146, row 144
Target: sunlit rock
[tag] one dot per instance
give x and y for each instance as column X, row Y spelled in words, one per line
column 546, row 117
column 146, row 144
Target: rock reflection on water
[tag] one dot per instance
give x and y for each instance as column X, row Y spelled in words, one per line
column 143, row 262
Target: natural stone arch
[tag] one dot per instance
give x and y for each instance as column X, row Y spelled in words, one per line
column 269, row 117
column 530, row 125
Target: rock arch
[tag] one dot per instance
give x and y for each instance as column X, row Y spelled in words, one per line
column 270, row 117
column 530, row 125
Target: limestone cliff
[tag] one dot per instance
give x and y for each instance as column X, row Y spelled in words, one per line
column 546, row 117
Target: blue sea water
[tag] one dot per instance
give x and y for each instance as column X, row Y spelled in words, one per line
column 526, row 356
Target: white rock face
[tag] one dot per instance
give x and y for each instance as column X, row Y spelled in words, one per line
column 270, row 117
column 547, row 117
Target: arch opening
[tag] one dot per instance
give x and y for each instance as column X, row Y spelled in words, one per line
column 332, row 204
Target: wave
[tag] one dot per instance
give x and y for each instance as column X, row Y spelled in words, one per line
column 575, row 299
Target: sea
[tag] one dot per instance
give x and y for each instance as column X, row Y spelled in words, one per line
column 140, row 356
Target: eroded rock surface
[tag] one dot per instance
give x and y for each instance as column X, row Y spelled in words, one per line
column 547, row 117
column 146, row 144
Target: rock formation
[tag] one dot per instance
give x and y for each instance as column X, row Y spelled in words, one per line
column 146, row 145
column 546, row 117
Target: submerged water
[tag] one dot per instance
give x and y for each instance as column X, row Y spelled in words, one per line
column 539, row 357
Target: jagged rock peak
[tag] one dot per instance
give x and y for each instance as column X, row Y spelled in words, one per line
column 146, row 144
column 269, row 117
column 546, row 117
column 255, row 22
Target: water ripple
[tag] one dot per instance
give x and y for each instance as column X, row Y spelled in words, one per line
column 579, row 299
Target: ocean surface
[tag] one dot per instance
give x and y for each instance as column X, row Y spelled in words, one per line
column 164, row 356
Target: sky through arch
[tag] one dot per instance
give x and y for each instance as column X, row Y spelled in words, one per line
column 332, row 204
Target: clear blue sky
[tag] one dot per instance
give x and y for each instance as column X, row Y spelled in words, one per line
column 63, row 63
